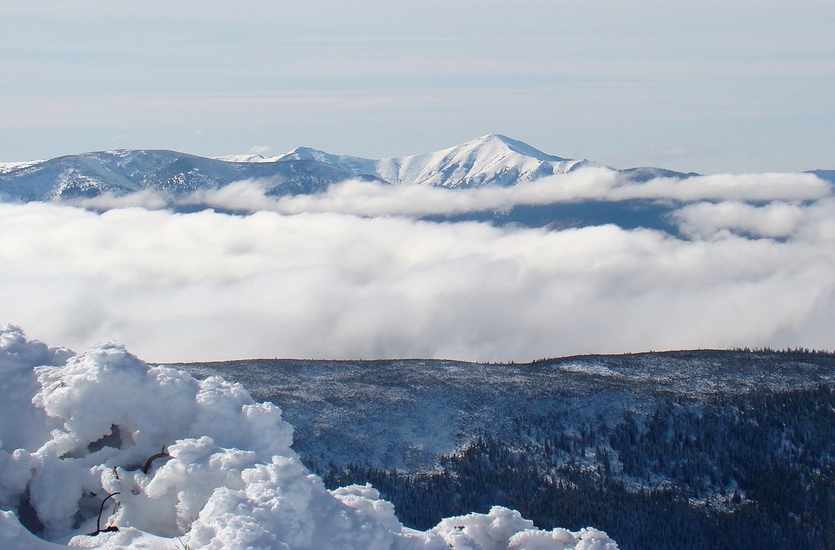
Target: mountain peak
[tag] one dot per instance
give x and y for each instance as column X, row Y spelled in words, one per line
column 305, row 153
column 516, row 146
column 493, row 159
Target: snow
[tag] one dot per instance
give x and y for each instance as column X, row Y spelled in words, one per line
column 493, row 169
column 491, row 159
column 352, row 165
column 6, row 167
column 172, row 461
column 251, row 157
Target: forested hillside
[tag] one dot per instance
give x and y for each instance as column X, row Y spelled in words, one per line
column 689, row 450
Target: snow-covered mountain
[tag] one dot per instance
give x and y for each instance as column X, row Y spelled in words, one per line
column 167, row 172
column 488, row 160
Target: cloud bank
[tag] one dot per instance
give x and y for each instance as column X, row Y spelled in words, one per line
column 211, row 286
column 363, row 198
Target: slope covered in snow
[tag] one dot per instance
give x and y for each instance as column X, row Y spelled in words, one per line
column 491, row 160
column 353, row 165
column 168, row 173
column 101, row 450
column 407, row 413
column 666, row 451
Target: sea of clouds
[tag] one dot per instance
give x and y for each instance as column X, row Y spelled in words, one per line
column 369, row 198
column 354, row 273
column 102, row 450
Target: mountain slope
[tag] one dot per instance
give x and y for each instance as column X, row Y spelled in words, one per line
column 489, row 160
column 689, row 450
column 827, row 175
column 167, row 172
column 406, row 413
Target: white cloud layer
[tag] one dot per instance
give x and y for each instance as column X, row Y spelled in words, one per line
column 777, row 220
column 705, row 219
column 209, row 286
column 364, row 198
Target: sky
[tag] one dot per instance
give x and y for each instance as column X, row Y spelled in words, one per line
column 735, row 86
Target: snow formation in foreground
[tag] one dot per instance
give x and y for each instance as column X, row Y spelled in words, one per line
column 75, row 429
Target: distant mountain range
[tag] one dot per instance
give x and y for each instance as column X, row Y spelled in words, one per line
column 169, row 173
column 491, row 160
column 488, row 160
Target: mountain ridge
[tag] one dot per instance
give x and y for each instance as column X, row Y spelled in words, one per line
column 488, row 160
column 690, row 444
column 171, row 173
column 441, row 400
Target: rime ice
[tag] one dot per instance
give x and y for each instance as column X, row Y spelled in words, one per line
column 172, row 460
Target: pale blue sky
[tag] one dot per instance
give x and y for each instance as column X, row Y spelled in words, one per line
column 710, row 86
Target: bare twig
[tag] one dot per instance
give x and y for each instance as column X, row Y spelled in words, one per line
column 101, row 511
column 150, row 461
